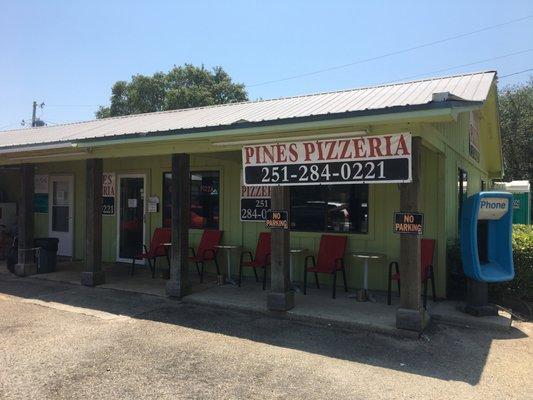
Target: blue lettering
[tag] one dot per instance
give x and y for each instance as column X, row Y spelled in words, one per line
column 493, row 205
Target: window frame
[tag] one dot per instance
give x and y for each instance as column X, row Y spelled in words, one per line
column 370, row 219
column 220, row 196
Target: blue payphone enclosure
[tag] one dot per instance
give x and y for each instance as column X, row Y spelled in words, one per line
column 496, row 263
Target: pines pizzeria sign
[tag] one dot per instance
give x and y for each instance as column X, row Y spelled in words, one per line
column 365, row 159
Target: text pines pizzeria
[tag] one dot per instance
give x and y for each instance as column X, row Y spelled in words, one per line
column 328, row 150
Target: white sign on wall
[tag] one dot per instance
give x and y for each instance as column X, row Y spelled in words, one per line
column 41, row 184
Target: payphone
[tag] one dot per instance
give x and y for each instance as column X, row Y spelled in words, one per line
column 486, row 246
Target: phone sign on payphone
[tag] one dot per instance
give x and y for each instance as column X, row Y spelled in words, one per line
column 493, row 207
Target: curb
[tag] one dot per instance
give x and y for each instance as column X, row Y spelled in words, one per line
column 347, row 326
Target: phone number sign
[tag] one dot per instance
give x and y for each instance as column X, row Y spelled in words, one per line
column 255, row 202
column 365, row 159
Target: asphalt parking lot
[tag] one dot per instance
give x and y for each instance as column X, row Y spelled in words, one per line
column 62, row 341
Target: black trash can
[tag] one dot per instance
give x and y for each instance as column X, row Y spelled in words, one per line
column 46, row 256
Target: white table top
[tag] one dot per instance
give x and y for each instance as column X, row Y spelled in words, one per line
column 298, row 250
column 228, row 246
column 368, row 254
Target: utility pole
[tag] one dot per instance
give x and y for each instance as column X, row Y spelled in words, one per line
column 34, row 120
column 34, row 113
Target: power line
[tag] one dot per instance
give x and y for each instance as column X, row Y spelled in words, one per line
column 9, row 125
column 516, row 73
column 72, row 105
column 460, row 66
column 392, row 53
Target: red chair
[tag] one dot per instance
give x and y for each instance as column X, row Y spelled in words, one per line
column 261, row 260
column 330, row 260
column 427, row 251
column 207, row 251
column 157, row 249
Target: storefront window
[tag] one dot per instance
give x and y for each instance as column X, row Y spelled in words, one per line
column 205, row 196
column 334, row 208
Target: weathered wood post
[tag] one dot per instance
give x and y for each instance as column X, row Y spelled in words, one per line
column 26, row 256
column 411, row 315
column 179, row 285
column 281, row 297
column 93, row 274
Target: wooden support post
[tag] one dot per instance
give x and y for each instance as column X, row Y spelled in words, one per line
column 93, row 274
column 281, row 297
column 411, row 315
column 26, row 255
column 179, row 284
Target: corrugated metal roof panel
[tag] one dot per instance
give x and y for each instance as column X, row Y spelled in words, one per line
column 470, row 87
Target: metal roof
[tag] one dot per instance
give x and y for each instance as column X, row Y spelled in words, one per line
column 472, row 87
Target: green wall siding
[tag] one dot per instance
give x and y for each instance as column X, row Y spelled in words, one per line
column 383, row 202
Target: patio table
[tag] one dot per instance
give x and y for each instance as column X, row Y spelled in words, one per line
column 366, row 256
column 228, row 248
column 294, row 286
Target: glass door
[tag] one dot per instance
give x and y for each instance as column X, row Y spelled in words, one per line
column 131, row 216
column 61, row 213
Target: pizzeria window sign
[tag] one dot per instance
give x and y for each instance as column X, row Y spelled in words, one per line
column 361, row 159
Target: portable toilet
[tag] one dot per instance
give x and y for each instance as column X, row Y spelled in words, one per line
column 521, row 199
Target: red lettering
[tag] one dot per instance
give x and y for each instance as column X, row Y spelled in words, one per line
column 402, row 146
column 249, row 153
column 319, row 145
column 388, row 151
column 375, row 144
column 309, row 149
column 331, row 149
column 293, row 153
column 267, row 153
column 359, row 148
column 282, row 157
column 345, row 146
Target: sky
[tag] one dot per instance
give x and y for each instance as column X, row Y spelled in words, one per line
column 68, row 54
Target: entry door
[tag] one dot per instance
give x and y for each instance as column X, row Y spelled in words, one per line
column 131, row 216
column 61, row 213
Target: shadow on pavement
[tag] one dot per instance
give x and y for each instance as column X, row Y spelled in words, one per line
column 444, row 353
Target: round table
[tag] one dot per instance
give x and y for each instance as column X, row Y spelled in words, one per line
column 291, row 267
column 366, row 256
column 228, row 248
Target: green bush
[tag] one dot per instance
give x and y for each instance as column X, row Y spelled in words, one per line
column 522, row 285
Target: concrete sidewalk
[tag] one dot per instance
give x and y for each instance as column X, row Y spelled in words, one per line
column 316, row 307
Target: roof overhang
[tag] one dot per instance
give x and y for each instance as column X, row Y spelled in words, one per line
column 212, row 136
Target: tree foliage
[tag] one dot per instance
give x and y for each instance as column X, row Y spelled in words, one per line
column 516, row 123
column 182, row 87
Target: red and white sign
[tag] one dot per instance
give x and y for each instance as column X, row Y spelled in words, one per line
column 364, row 159
column 108, row 193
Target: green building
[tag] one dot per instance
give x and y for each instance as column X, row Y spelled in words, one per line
column 521, row 199
column 53, row 173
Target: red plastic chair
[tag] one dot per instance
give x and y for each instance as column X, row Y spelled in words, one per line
column 261, row 260
column 207, row 251
column 157, row 249
column 330, row 260
column 427, row 250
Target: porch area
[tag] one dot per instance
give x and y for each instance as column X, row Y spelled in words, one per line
column 317, row 307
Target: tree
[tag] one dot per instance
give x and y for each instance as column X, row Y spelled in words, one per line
column 516, row 126
column 182, row 87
